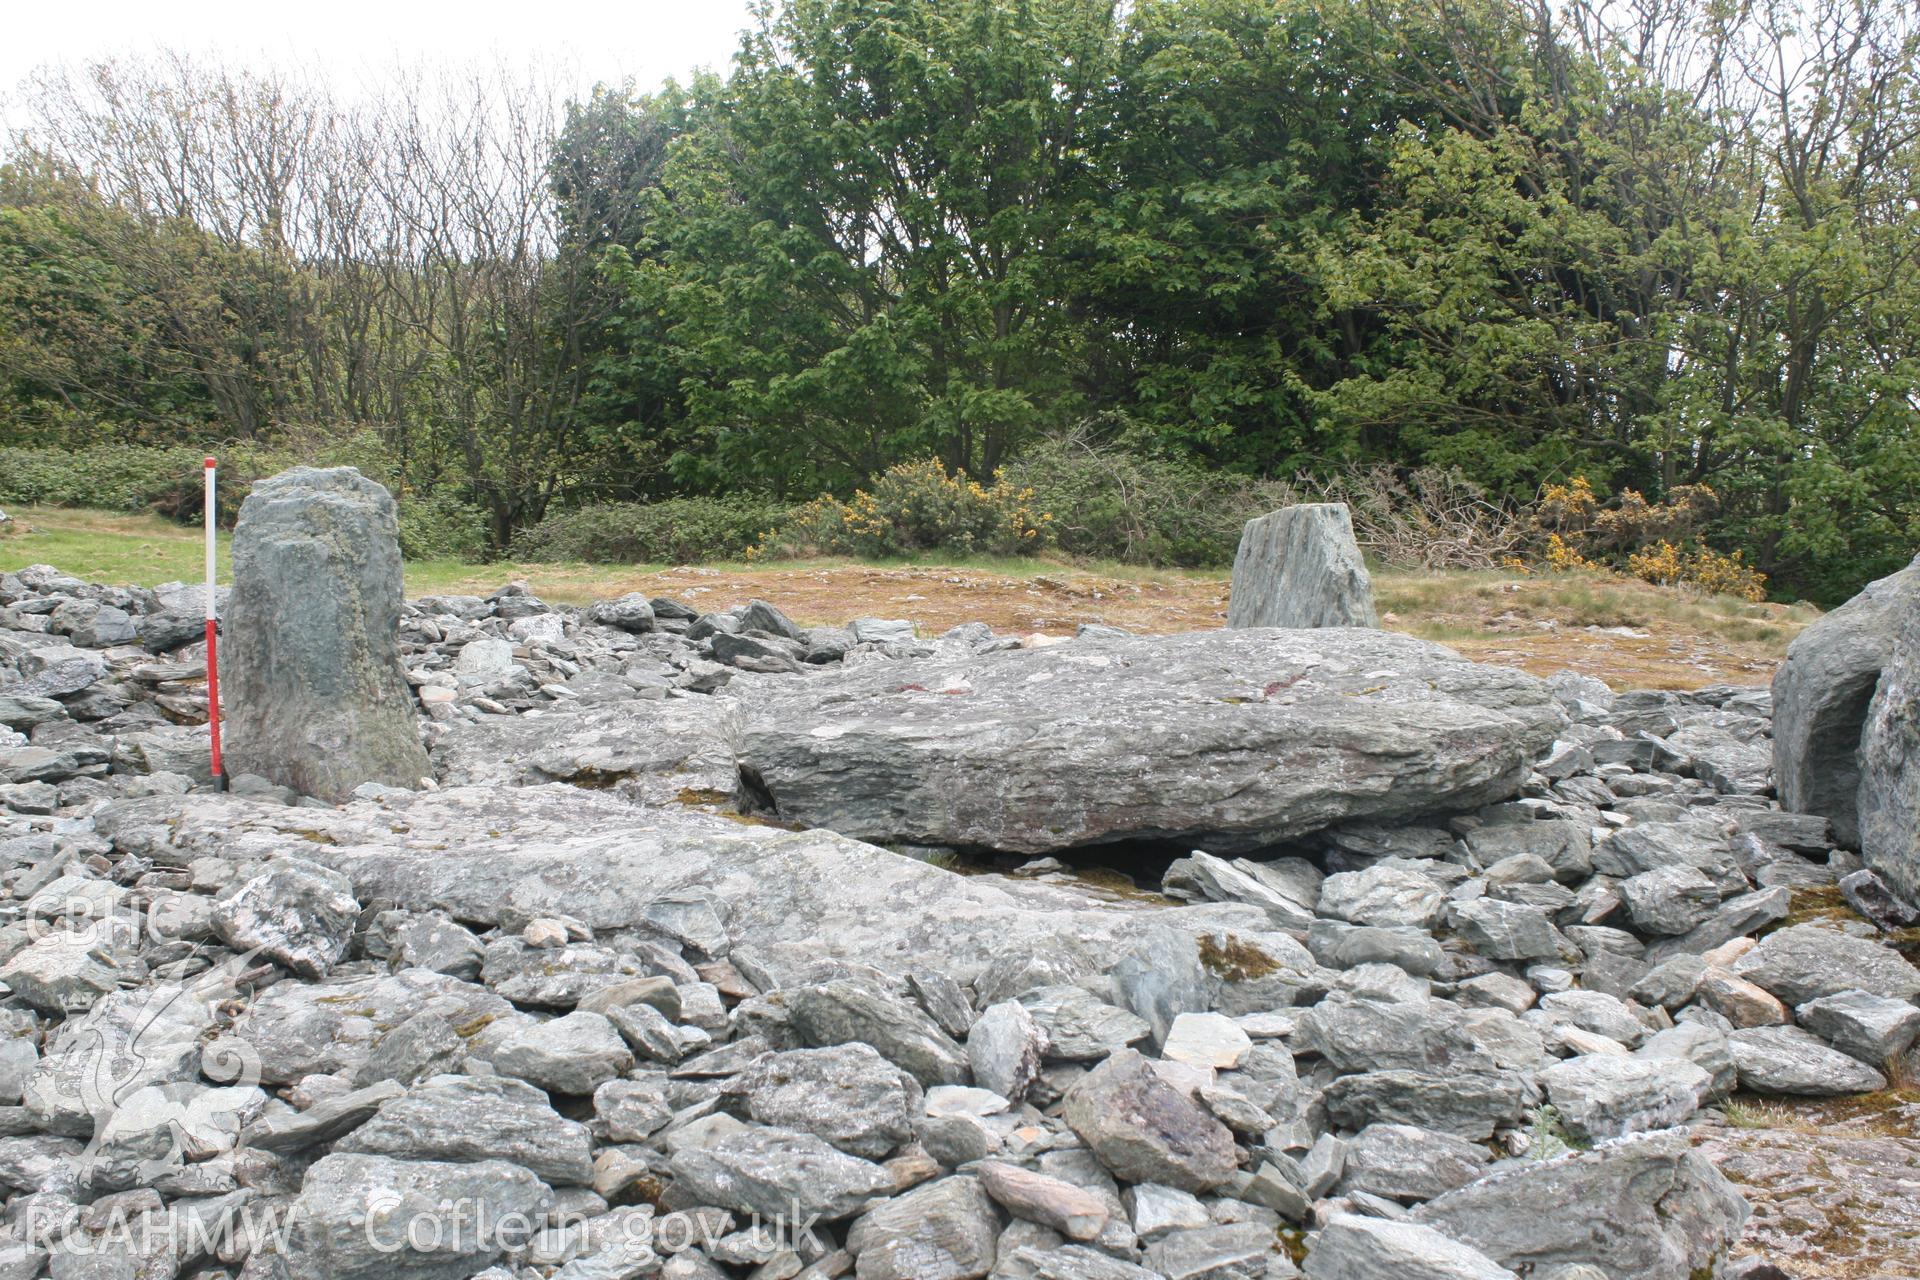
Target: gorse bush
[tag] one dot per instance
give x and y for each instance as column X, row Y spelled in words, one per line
column 113, row 477
column 672, row 531
column 1704, row 568
column 1655, row 542
column 917, row 506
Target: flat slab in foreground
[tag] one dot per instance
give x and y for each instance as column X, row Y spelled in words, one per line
column 1232, row 738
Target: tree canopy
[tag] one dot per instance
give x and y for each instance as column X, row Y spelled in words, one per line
column 1659, row 245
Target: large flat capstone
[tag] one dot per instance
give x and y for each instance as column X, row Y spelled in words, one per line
column 314, row 692
column 1233, row 738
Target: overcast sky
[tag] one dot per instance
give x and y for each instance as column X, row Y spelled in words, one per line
column 346, row 41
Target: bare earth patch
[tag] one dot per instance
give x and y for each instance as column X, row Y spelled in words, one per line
column 1835, row 1187
column 1630, row 634
column 1627, row 633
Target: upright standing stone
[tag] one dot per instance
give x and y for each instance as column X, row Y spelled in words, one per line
column 1300, row 567
column 1820, row 697
column 313, row 688
column 1889, row 796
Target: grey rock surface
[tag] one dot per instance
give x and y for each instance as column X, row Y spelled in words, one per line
column 313, row 690
column 1821, row 695
column 1355, row 1248
column 1235, row 739
column 1641, row 1208
column 1601, row 1095
column 294, row 912
column 1145, row 1130
column 1888, row 799
column 465, row 1119
column 351, row 1219
column 847, row 1094
column 1408, row 1163
column 945, row 1230
column 1872, row 1028
column 1300, row 567
column 575, row 1054
column 778, row 1173
column 1804, row 962
column 1792, row 1061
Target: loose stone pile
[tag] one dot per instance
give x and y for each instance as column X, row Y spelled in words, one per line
column 1433, row 994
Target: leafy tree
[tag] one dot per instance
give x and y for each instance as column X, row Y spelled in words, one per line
column 861, row 244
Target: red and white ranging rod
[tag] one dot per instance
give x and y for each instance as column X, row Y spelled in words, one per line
column 213, row 641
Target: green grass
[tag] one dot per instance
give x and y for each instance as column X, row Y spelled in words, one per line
column 145, row 550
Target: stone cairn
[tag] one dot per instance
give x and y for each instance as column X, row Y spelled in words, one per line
column 1454, row 980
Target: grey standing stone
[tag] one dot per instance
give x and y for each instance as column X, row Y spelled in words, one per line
column 1300, row 567
column 1821, row 695
column 1888, row 798
column 314, row 693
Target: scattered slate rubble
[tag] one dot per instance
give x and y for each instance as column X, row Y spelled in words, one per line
column 629, row 1030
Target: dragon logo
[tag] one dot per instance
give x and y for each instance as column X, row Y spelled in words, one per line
column 144, row 1055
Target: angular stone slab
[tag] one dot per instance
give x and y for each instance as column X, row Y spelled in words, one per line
column 1300, row 567
column 483, row 854
column 1641, row 1208
column 658, row 751
column 1232, row 739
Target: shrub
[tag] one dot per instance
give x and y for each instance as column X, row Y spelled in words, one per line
column 1112, row 494
column 440, row 526
column 114, row 477
column 672, row 531
column 168, row 480
column 1120, row 500
column 916, row 506
column 1655, row 542
column 1727, row 575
